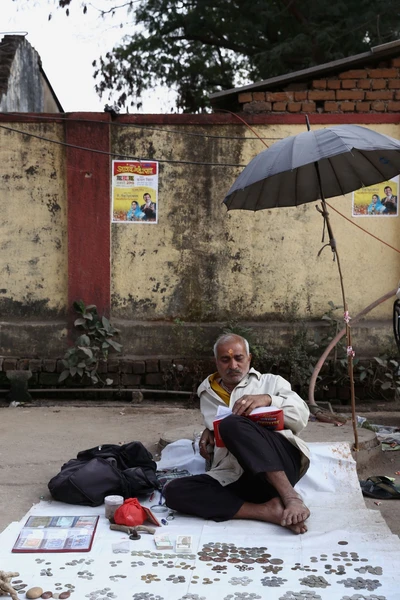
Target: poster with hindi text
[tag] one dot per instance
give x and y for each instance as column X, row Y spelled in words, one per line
column 379, row 200
column 135, row 191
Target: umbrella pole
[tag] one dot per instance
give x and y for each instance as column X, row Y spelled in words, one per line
column 350, row 352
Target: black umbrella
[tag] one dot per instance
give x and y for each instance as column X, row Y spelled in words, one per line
column 315, row 165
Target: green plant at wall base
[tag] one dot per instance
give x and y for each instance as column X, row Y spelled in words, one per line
column 94, row 344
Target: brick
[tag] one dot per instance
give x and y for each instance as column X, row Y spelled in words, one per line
column 35, row 365
column 319, row 84
column 299, row 96
column 23, row 364
column 139, row 366
column 383, row 73
column 49, row 365
column 379, row 106
column 331, row 106
column 397, row 95
column 395, row 62
column 245, row 97
column 363, row 106
column 378, row 84
column 257, row 107
column 10, row 364
column 297, row 86
column 279, row 96
column 294, row 107
column 393, row 106
column 128, row 379
column 350, row 95
column 394, row 84
column 112, row 365
column 152, row 366
column 354, row 74
column 259, row 96
column 165, row 364
column 364, row 84
column 154, row 379
column 279, row 106
column 48, row 378
column 379, row 95
column 347, row 106
column 322, row 95
column 1, row 363
column 308, row 107
column 125, row 365
column 333, row 84
column 349, row 84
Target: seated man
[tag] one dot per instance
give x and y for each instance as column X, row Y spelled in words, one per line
column 253, row 476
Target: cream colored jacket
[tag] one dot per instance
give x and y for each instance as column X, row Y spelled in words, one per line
column 225, row 468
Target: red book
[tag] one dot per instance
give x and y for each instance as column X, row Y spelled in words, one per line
column 266, row 416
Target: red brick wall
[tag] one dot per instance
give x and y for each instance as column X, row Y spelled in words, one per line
column 370, row 89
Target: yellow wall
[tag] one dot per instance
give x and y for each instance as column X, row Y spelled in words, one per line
column 33, row 224
column 202, row 263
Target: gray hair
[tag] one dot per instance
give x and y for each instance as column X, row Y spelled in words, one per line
column 227, row 337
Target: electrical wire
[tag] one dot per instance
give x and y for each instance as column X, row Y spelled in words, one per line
column 59, row 117
column 119, row 154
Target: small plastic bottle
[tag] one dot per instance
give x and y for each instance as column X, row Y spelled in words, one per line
column 111, row 505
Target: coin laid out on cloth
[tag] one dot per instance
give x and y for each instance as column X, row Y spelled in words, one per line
column 273, row 581
column 314, row 581
column 303, row 595
column 242, row 596
column 359, row 583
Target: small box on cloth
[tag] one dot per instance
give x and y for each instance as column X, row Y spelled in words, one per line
column 266, row 416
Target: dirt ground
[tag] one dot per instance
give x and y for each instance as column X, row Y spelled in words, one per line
column 35, row 441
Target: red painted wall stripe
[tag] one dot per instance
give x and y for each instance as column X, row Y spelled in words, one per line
column 89, row 231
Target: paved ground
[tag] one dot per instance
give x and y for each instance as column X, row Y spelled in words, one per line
column 35, row 442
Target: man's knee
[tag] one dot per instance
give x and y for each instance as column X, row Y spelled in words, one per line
column 230, row 426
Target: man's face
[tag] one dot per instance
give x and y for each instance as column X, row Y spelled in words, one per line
column 388, row 191
column 147, row 198
column 233, row 363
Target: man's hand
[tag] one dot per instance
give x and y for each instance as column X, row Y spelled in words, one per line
column 247, row 403
column 207, row 439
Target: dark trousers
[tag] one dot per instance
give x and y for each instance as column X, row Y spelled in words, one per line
column 258, row 451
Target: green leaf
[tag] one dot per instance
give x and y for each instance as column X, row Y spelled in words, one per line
column 380, row 362
column 79, row 321
column 88, row 316
column 106, row 323
column 80, row 372
column 73, row 371
column 79, row 306
column 115, row 345
column 63, row 376
column 92, row 308
column 325, row 318
column 109, row 381
column 87, row 351
column 363, row 375
column 386, row 385
column 83, row 340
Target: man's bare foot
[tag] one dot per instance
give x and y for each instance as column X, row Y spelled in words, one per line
column 271, row 512
column 295, row 511
column 278, row 509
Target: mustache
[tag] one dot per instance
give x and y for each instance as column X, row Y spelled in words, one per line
column 234, row 371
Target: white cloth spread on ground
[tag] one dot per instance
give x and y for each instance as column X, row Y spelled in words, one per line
column 338, row 514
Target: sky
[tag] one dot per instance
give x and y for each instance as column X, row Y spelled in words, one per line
column 68, row 45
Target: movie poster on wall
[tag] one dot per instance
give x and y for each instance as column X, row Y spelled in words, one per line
column 135, row 191
column 379, row 200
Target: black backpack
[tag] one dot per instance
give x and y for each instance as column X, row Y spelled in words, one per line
column 127, row 470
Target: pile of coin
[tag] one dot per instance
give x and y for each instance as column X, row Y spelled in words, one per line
column 229, row 552
column 273, row 581
column 189, row 596
column 176, row 578
column 362, row 597
column 314, row 581
column 271, row 569
column 359, row 583
column 146, row 596
column 104, row 594
column 303, row 595
column 86, row 575
column 240, row 580
column 242, row 596
column 150, row 577
column 116, row 577
column 371, row 570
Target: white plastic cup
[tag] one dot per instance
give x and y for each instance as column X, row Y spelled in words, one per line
column 111, row 505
